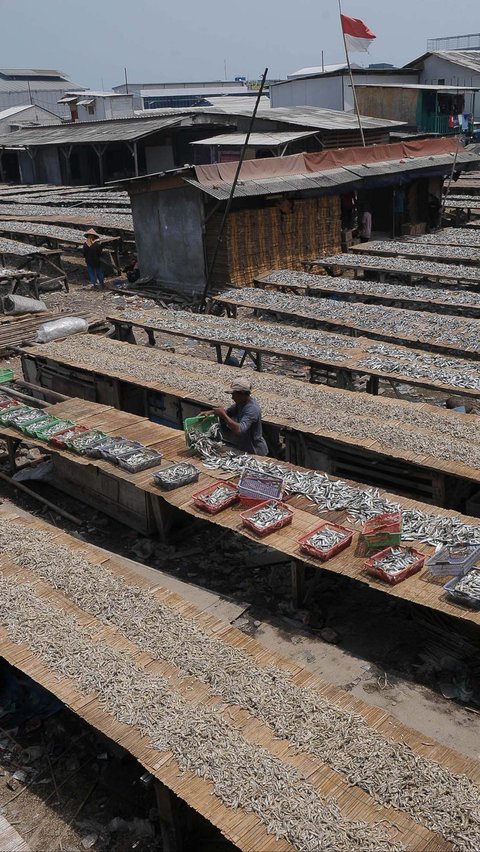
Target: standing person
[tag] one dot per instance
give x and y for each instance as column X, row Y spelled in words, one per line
column 243, row 420
column 365, row 232
column 92, row 252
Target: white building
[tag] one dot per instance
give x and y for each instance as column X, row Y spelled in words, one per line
column 86, row 105
column 331, row 88
column 42, row 87
column 182, row 95
column 30, row 115
column 449, row 68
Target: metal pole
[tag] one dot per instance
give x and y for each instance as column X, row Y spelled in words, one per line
column 126, row 82
column 232, row 193
column 444, row 200
column 351, row 78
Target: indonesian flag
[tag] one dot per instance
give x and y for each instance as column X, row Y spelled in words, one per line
column 358, row 36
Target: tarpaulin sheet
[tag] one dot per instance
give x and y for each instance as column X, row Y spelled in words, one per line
column 331, row 159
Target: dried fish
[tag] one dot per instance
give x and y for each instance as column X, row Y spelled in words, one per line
column 326, row 538
column 402, row 266
column 433, row 329
column 390, row 771
column 268, row 515
column 469, row 584
column 435, row 433
column 200, row 739
column 347, row 287
column 395, row 560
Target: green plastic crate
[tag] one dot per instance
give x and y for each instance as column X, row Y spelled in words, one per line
column 6, row 376
column 202, row 424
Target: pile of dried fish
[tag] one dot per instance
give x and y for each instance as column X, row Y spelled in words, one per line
column 449, row 236
column 456, row 372
column 243, row 774
column 38, row 229
column 390, row 771
column 268, row 515
column 436, row 433
column 284, row 339
column 395, row 560
column 218, row 495
column 15, row 247
column 328, row 494
column 326, row 538
column 439, row 251
column 101, row 216
column 434, row 329
column 469, row 585
column 373, row 289
column 8, row 272
column 402, row 266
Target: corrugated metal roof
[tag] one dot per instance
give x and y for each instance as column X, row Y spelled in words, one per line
column 114, row 130
column 315, row 117
column 185, row 91
column 36, row 85
column 257, row 140
column 421, row 86
column 465, row 58
column 332, row 178
column 32, row 72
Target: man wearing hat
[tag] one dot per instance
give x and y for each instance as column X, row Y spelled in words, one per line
column 243, row 420
column 92, row 252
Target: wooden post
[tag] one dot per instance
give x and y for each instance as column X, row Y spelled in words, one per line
column 172, row 840
column 298, row 582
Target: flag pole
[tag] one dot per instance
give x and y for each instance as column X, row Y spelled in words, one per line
column 355, row 102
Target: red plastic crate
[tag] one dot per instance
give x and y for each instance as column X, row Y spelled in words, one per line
column 57, row 440
column 388, row 522
column 276, row 525
column 393, row 579
column 201, row 503
column 255, row 487
column 324, row 555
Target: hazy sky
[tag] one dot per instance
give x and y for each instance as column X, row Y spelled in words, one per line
column 92, row 40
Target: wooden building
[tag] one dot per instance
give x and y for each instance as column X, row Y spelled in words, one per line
column 285, row 209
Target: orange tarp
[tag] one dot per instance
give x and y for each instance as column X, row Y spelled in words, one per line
column 323, row 160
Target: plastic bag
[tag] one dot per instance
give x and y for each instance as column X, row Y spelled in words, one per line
column 61, row 328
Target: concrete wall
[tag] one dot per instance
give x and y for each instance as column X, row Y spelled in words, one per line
column 169, row 237
column 329, row 92
column 435, row 68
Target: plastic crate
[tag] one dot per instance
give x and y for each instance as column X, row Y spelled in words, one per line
column 117, row 447
column 461, row 597
column 383, row 531
column 29, row 420
column 45, row 431
column 7, row 403
column 91, row 439
column 453, row 560
column 145, row 458
column 10, row 413
column 187, row 473
column 248, row 518
column 33, row 428
column 64, row 439
column 6, row 375
column 307, row 547
column 200, row 499
column 255, row 487
column 201, row 424
column 393, row 579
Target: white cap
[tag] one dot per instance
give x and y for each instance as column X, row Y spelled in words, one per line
column 241, row 386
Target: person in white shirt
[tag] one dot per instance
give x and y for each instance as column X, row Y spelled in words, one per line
column 365, row 232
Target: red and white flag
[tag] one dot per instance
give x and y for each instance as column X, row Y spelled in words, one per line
column 358, row 36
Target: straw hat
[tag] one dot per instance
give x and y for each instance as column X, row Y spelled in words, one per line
column 91, row 233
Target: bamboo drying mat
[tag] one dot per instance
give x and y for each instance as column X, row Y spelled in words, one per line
column 242, row 301
column 10, row 840
column 326, row 284
column 227, row 374
column 351, row 356
column 357, row 262
column 242, row 828
column 421, row 589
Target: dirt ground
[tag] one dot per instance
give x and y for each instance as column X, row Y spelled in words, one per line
column 384, row 651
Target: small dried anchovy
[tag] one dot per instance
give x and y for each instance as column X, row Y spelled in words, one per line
column 218, row 495
column 469, row 584
column 326, row 538
column 402, row 265
column 396, row 560
column 268, row 515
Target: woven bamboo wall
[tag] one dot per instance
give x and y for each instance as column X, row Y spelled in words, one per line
column 280, row 235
